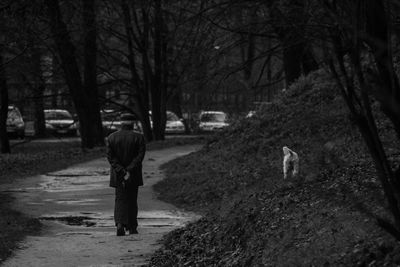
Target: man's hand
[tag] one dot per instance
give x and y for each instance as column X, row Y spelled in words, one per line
column 126, row 176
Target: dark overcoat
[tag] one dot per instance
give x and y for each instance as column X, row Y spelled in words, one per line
column 125, row 152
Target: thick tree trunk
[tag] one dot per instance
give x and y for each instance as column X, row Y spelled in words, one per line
column 4, row 142
column 157, row 85
column 164, row 74
column 81, row 98
column 95, row 128
column 147, row 71
column 39, row 120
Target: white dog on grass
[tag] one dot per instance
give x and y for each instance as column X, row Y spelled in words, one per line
column 290, row 162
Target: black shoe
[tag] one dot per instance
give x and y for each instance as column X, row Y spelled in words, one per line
column 120, row 231
column 133, row 231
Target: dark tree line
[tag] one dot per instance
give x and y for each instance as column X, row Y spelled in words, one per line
column 165, row 47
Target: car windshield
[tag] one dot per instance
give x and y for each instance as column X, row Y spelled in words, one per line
column 57, row 115
column 172, row 117
column 213, row 117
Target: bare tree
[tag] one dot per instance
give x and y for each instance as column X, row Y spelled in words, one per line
column 362, row 65
column 84, row 93
column 141, row 94
column 145, row 34
column 158, row 88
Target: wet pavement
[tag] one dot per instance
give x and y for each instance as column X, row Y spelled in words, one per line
column 76, row 207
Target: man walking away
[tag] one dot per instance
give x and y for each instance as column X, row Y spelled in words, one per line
column 125, row 153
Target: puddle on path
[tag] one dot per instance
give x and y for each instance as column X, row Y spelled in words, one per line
column 86, row 201
column 82, row 171
column 71, row 183
column 71, row 220
column 150, row 219
column 73, row 233
column 65, row 182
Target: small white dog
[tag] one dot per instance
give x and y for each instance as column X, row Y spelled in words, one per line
column 290, row 162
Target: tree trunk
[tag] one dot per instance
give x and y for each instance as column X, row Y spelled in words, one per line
column 147, row 71
column 139, row 92
column 291, row 61
column 308, row 61
column 38, row 92
column 164, row 73
column 389, row 91
column 360, row 108
column 296, row 50
column 84, row 105
column 157, row 86
column 39, row 120
column 4, row 142
column 174, row 102
column 94, row 128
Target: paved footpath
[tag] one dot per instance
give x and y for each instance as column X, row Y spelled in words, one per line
column 76, row 208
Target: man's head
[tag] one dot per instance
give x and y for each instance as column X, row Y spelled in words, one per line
column 127, row 121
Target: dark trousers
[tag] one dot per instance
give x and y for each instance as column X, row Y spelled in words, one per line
column 126, row 209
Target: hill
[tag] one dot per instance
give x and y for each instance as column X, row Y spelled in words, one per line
column 252, row 217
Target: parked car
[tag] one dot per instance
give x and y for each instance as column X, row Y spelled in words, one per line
column 60, row 121
column 174, row 125
column 210, row 121
column 111, row 121
column 15, row 122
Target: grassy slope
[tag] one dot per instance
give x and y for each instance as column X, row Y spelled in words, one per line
column 255, row 218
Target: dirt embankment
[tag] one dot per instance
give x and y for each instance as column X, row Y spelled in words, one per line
column 254, row 218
